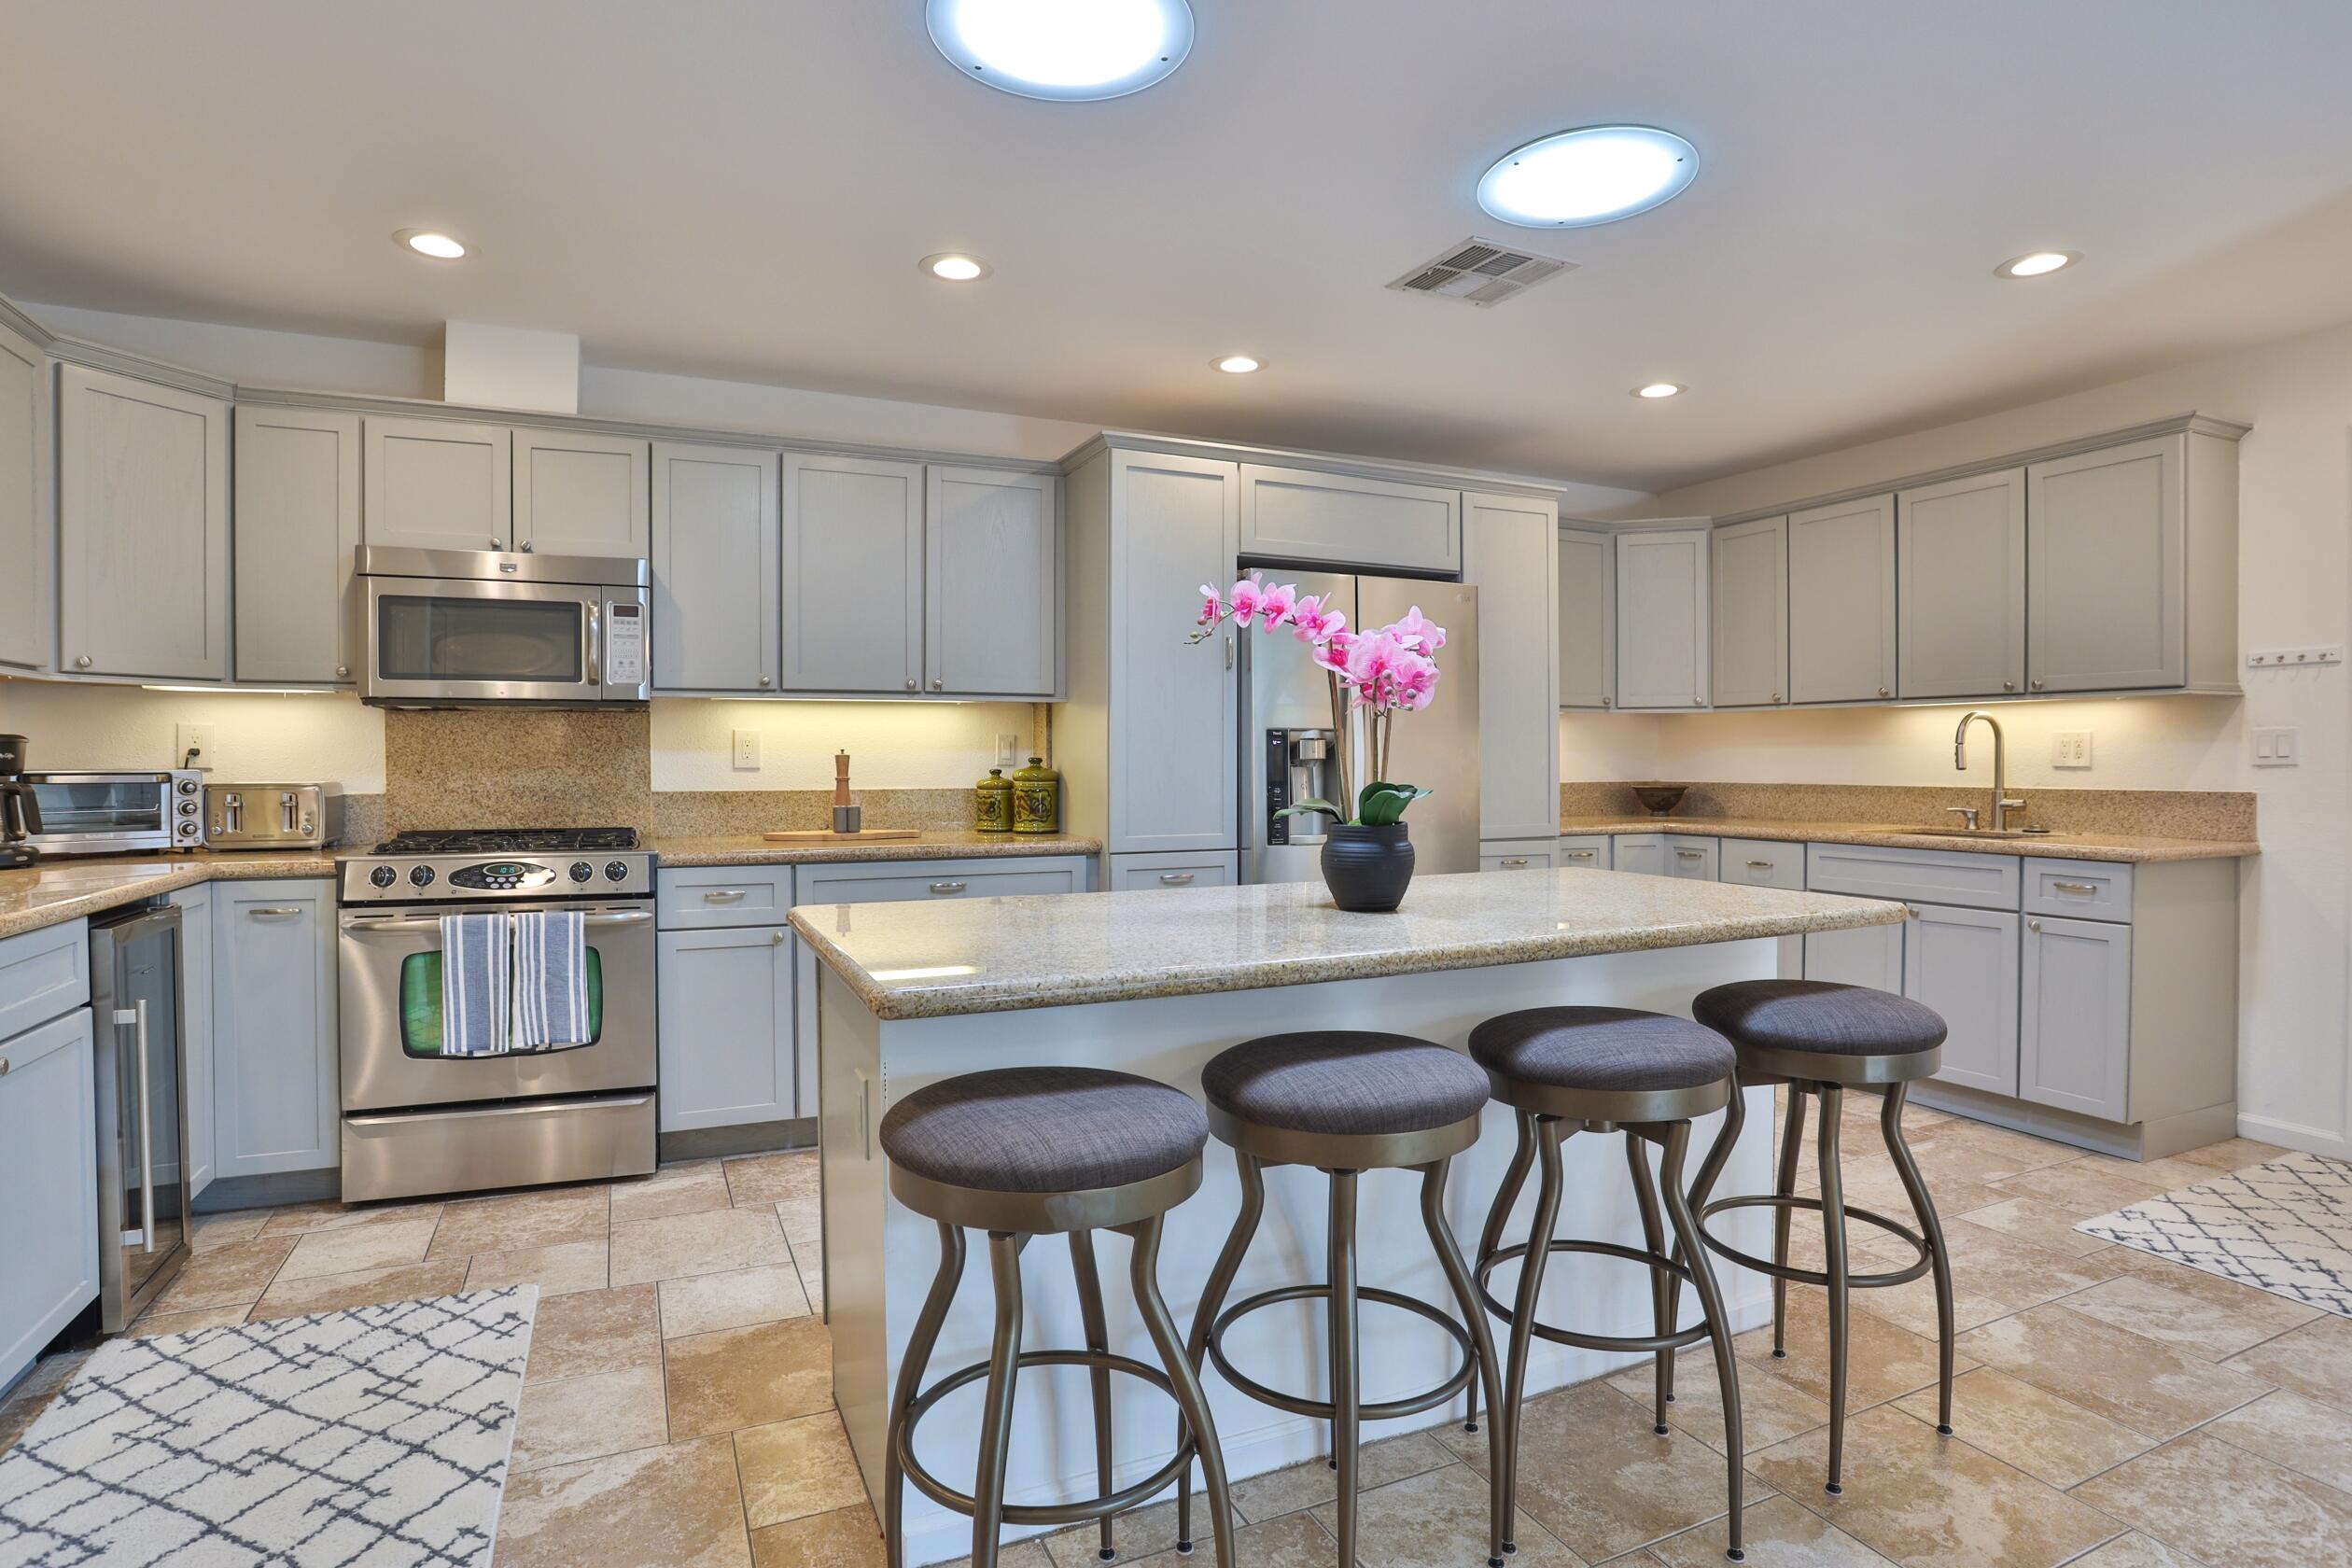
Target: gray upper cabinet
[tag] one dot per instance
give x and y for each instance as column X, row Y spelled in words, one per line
column 142, row 529
column 297, row 527
column 1336, row 520
column 1961, row 586
column 1661, row 618
column 25, row 629
column 1510, row 554
column 2106, row 541
column 578, row 494
column 992, row 583
column 717, row 564
column 439, row 484
column 853, row 575
column 1587, row 618
column 1841, row 602
column 1750, row 567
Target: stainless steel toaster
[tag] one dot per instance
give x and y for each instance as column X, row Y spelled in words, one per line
column 272, row 815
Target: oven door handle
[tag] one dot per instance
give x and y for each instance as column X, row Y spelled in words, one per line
column 370, row 924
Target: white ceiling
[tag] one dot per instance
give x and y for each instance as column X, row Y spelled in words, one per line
column 743, row 189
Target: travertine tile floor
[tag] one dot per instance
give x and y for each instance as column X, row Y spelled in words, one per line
column 2114, row 1411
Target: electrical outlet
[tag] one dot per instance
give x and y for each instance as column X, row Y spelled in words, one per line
column 1008, row 749
column 2276, row 746
column 2070, row 749
column 196, row 737
column 747, row 750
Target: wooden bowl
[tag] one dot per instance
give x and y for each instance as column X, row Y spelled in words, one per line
column 1660, row 798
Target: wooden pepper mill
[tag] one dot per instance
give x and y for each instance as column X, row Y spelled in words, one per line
column 846, row 818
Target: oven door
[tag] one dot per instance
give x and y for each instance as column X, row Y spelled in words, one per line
column 450, row 642
column 103, row 812
column 391, row 1015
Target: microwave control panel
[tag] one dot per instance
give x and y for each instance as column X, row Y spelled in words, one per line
column 624, row 645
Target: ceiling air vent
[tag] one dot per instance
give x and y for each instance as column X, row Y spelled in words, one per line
column 1479, row 272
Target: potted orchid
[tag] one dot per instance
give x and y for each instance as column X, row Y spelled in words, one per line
column 1367, row 858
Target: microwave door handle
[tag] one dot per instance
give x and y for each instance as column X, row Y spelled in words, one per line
column 595, row 644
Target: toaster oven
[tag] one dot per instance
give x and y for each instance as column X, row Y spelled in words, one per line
column 115, row 813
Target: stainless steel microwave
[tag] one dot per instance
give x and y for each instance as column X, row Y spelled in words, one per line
column 460, row 628
column 116, row 813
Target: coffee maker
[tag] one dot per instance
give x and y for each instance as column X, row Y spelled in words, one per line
column 20, row 810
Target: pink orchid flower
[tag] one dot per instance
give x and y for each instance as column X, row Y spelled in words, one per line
column 1310, row 622
column 1418, row 632
column 1275, row 603
column 1332, row 649
column 1244, row 598
column 1213, row 606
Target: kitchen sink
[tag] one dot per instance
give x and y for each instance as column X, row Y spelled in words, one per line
column 1970, row 833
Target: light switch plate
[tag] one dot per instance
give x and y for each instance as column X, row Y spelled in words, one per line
column 747, row 750
column 2070, row 749
column 1008, row 749
column 2276, row 746
column 200, row 736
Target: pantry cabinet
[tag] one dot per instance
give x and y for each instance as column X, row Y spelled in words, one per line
column 853, row 575
column 275, row 1063
column 717, row 569
column 1511, row 547
column 1342, row 522
column 438, row 484
column 142, row 529
column 1842, row 619
column 992, row 583
column 1960, row 600
column 26, row 628
column 577, row 493
column 1661, row 618
column 1749, row 596
column 296, row 532
column 2105, row 548
column 1588, row 619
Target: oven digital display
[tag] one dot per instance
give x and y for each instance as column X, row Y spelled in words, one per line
column 501, row 877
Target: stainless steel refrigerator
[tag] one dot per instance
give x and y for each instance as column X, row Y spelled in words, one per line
column 1288, row 747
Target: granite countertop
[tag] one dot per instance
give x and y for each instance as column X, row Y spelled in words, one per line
column 2056, row 846
column 931, row 960
column 937, row 843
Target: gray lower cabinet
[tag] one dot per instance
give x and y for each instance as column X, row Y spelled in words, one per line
column 1587, row 618
column 275, row 1061
column 26, row 538
column 48, row 1168
column 853, row 575
column 196, row 1022
column 1693, row 859
column 1644, row 853
column 887, row 881
column 297, row 530
column 1749, row 596
column 726, row 1027
column 1868, row 956
column 438, row 484
column 1964, row 963
column 1169, row 873
column 992, row 583
column 1507, row 854
column 717, row 567
column 1582, row 852
column 577, row 493
column 2074, row 1046
column 142, row 529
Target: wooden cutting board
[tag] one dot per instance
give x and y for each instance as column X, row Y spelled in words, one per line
column 826, row 835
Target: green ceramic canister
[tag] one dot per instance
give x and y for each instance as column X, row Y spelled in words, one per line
column 992, row 803
column 1036, row 799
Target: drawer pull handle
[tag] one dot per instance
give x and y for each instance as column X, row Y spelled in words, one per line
column 1692, row 854
column 273, row 912
column 945, row 888
column 1514, row 862
column 723, row 895
column 1577, row 854
column 1759, row 866
column 1176, row 878
column 2086, row 889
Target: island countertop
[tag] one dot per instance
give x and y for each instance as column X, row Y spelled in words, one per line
column 934, row 961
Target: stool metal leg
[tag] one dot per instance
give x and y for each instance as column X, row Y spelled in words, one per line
column 1833, row 1221
column 910, row 1383
column 1677, row 1143
column 1082, row 1263
column 1550, row 1132
column 1784, row 1184
column 1252, row 1171
column 1490, row 1238
column 1182, row 1376
column 996, row 1419
column 1347, row 1385
column 1663, row 1305
column 1709, row 1171
column 1891, row 1124
column 1474, row 1317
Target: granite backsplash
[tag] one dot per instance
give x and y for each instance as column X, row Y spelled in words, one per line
column 2214, row 813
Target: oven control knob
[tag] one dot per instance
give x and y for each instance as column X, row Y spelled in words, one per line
column 187, row 809
column 187, row 786
column 384, row 876
column 615, row 870
column 582, row 870
column 421, row 876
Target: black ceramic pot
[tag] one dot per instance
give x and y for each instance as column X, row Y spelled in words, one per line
column 1368, row 869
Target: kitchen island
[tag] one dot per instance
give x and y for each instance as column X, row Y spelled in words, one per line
column 1157, row 982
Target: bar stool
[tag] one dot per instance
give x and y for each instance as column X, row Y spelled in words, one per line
column 1026, row 1151
column 1821, row 1038
column 1346, row 1102
column 1570, row 1070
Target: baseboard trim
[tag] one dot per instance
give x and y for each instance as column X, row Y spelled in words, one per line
column 757, row 1137
column 2294, row 1135
column 273, row 1191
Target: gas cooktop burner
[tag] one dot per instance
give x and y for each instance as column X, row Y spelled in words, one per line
column 508, row 841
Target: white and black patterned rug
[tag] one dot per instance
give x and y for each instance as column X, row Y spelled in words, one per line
column 2285, row 1227
column 375, row 1437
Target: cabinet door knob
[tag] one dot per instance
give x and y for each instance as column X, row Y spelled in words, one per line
column 1698, row 702
column 82, row 663
column 3, row 1066
column 497, row 543
column 1608, row 702
column 937, row 684
column 767, row 680
column 342, row 672
column 910, row 685
column 1777, row 696
column 1882, row 692
column 2009, row 685
column 526, row 547
column 2033, row 925
column 776, row 940
column 2038, row 685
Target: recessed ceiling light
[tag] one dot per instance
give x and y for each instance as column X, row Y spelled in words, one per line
column 954, row 266
column 1595, row 174
column 2036, row 263
column 1235, row 364
column 1656, row 389
column 1067, row 50
column 430, row 243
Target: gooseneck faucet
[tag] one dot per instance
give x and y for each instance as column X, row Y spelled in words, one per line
column 2002, row 804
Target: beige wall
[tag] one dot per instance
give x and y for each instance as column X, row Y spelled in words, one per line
column 891, row 746
column 259, row 737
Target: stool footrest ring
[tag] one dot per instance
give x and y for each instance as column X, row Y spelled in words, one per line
column 1388, row 1410
column 1644, row 1342
column 1082, row 1511
column 1903, row 1276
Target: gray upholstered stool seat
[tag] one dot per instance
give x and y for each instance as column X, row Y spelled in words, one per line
column 1819, row 1015
column 1043, row 1129
column 1344, row 1082
column 1602, row 1048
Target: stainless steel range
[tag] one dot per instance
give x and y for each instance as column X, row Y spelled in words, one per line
column 416, row 1121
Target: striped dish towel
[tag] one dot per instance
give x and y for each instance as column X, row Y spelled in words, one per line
column 476, row 964
column 550, row 979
